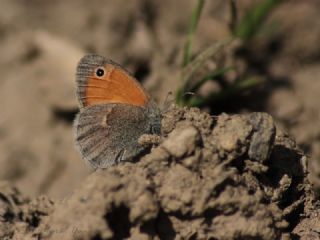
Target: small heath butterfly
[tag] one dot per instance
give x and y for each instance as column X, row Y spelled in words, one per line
column 115, row 111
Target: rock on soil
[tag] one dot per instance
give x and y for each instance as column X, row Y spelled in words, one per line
column 225, row 177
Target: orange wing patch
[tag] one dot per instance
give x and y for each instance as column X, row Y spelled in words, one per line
column 116, row 86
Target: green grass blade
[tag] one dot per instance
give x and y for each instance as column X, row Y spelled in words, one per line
column 237, row 87
column 189, row 70
column 252, row 22
column 193, row 26
column 234, row 15
column 211, row 76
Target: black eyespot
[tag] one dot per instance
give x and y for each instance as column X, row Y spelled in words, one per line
column 100, row 72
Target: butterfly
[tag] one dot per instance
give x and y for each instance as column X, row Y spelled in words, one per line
column 115, row 110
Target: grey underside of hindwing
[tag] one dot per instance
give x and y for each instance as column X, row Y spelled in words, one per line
column 108, row 133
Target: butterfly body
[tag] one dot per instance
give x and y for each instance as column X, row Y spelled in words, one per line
column 114, row 112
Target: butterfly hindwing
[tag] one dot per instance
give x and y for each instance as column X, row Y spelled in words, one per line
column 108, row 133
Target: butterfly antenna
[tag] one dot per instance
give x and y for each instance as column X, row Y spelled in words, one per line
column 189, row 93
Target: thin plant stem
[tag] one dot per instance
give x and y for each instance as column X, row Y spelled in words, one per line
column 234, row 15
column 195, row 64
column 193, row 26
column 233, row 89
column 252, row 22
column 211, row 76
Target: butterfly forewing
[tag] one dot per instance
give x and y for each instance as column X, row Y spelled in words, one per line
column 115, row 85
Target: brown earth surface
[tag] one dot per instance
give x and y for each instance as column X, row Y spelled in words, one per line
column 219, row 183
column 230, row 177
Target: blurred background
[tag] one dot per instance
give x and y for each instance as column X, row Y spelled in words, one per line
column 222, row 56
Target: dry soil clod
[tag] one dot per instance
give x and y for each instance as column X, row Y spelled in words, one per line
column 228, row 178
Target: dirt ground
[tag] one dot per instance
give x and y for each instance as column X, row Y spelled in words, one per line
column 246, row 176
